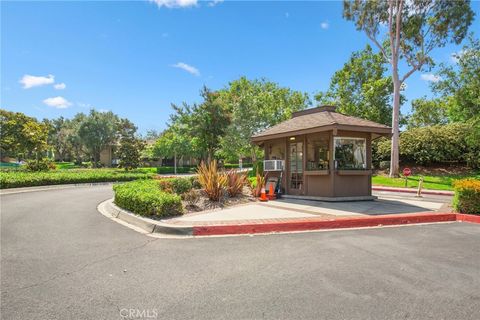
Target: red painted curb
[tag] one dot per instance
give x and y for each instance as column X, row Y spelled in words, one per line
column 305, row 225
column 468, row 218
column 438, row 193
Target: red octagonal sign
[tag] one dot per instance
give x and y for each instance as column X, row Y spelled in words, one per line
column 407, row 172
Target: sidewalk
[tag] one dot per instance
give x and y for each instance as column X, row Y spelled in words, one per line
column 287, row 215
column 414, row 190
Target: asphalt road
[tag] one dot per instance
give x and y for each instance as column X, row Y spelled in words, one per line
column 61, row 259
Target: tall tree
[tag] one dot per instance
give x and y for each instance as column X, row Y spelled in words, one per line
column 97, row 131
column 411, row 30
column 22, row 135
column 461, row 83
column 255, row 105
column 58, row 137
column 130, row 146
column 172, row 143
column 428, row 112
column 361, row 88
column 203, row 123
column 73, row 127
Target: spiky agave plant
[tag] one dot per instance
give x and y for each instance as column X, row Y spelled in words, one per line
column 212, row 181
column 235, row 182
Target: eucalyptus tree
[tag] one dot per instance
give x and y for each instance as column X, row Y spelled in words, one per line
column 408, row 31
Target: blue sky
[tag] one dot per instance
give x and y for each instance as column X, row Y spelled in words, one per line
column 136, row 58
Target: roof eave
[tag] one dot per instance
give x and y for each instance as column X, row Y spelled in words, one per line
column 384, row 131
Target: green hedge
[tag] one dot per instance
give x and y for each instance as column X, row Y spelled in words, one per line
column 144, row 197
column 15, row 179
column 236, row 165
column 467, row 196
column 175, row 185
column 434, row 144
column 168, row 170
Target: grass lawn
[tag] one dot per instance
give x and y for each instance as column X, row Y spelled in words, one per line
column 66, row 165
column 435, row 182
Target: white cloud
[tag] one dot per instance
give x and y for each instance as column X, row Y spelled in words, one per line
column 214, row 3
column 188, row 68
column 430, row 77
column 29, row 81
column 60, row 86
column 57, row 102
column 175, row 3
column 85, row 105
column 325, row 25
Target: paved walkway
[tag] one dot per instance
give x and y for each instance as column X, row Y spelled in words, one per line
column 291, row 209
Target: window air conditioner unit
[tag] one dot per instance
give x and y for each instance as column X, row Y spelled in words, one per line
column 273, row 165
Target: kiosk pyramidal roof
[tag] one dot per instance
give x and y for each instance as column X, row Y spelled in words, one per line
column 319, row 119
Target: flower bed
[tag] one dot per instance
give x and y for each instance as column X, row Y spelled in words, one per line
column 16, row 179
column 467, row 196
column 145, row 197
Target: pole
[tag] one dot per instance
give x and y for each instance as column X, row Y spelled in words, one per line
column 420, row 186
column 175, row 162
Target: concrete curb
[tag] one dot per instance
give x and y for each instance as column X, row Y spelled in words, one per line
column 406, row 190
column 341, row 223
column 146, row 224
column 108, row 208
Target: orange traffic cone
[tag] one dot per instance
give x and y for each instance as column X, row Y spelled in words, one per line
column 263, row 196
column 271, row 193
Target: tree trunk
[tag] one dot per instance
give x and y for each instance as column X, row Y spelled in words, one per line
column 394, row 152
column 175, row 163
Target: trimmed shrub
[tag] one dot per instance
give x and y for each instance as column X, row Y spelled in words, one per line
column 434, row 144
column 44, row 164
column 175, row 185
column 16, row 179
column 467, row 196
column 168, row 170
column 145, row 198
column 165, row 185
column 181, row 185
column 236, row 165
column 195, row 183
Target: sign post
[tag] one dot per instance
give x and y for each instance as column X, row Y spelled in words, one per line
column 406, row 173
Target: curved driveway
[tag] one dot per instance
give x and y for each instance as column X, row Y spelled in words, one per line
column 61, row 259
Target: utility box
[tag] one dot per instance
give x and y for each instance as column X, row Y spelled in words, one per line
column 273, row 165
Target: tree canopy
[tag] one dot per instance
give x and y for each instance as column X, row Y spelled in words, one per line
column 21, row 134
column 408, row 31
column 255, row 105
column 97, row 131
column 460, row 84
column 361, row 88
